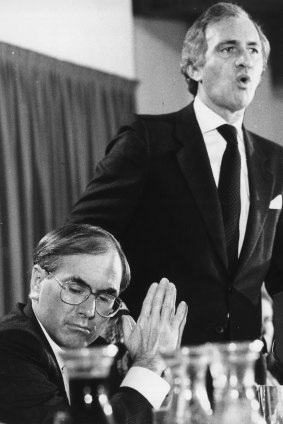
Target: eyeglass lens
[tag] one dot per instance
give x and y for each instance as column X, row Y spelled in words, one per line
column 75, row 293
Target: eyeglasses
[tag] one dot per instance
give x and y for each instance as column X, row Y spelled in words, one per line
column 75, row 293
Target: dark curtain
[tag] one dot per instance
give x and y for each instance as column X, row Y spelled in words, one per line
column 55, row 121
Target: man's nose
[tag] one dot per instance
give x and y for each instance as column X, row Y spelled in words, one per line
column 244, row 59
column 87, row 307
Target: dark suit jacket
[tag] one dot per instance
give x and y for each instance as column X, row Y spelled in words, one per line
column 31, row 384
column 155, row 191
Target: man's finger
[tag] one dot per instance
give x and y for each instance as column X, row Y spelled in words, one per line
column 128, row 325
column 168, row 305
column 173, row 307
column 147, row 304
column 160, row 301
column 179, row 320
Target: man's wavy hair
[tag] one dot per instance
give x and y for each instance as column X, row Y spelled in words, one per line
column 195, row 46
column 77, row 239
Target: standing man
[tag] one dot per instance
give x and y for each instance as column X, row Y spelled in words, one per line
column 78, row 274
column 195, row 196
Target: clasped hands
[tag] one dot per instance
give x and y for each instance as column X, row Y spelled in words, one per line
column 159, row 326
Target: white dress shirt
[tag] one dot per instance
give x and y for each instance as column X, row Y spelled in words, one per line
column 146, row 382
column 57, row 350
column 216, row 145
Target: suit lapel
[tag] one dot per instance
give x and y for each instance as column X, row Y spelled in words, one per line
column 56, row 372
column 260, row 184
column 195, row 166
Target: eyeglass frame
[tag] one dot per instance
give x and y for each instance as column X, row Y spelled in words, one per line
column 62, row 285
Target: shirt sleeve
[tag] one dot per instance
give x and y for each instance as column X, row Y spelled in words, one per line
column 153, row 387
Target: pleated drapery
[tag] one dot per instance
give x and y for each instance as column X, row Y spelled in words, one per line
column 55, row 121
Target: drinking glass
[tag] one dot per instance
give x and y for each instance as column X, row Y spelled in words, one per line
column 88, row 370
column 271, row 403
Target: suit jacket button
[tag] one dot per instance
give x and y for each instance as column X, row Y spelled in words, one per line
column 219, row 329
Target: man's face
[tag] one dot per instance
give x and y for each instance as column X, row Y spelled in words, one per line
column 233, row 66
column 75, row 326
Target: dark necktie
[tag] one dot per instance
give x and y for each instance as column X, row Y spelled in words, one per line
column 229, row 191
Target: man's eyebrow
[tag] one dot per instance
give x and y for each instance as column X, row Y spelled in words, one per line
column 234, row 42
column 76, row 279
column 228, row 41
column 110, row 290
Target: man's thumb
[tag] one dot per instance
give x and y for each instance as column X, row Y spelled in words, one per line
column 128, row 325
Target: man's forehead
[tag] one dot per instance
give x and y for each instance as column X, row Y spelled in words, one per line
column 233, row 28
column 89, row 256
column 105, row 264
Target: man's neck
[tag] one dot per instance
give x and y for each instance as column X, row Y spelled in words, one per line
column 231, row 117
column 209, row 120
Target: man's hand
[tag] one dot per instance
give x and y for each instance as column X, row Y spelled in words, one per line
column 158, row 328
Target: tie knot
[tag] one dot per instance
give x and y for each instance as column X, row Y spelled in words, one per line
column 229, row 132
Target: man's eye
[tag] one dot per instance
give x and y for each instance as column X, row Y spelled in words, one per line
column 253, row 50
column 76, row 289
column 229, row 49
column 105, row 299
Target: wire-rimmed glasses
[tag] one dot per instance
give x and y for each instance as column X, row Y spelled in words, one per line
column 76, row 292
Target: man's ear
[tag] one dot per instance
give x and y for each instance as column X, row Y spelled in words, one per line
column 195, row 72
column 38, row 274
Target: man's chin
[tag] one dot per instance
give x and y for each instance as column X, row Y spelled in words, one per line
column 244, row 100
column 76, row 343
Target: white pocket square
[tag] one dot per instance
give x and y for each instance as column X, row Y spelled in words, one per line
column 276, row 203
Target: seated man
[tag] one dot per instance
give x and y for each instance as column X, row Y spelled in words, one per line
column 32, row 388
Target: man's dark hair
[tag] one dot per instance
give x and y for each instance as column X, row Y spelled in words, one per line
column 74, row 239
column 195, row 46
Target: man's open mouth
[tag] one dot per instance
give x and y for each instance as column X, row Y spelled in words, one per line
column 243, row 80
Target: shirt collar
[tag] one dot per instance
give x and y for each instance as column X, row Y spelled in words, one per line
column 208, row 120
column 56, row 349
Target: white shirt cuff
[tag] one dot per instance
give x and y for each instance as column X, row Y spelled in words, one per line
column 153, row 387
